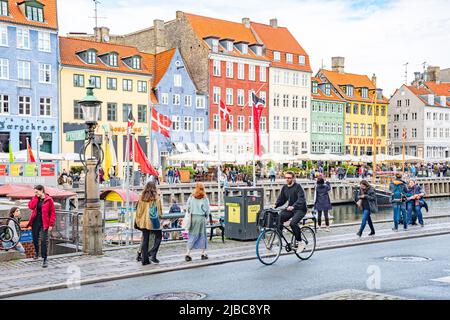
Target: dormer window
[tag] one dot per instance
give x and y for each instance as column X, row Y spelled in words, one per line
column 301, row 60
column 289, row 58
column 136, row 63
column 91, row 56
column 349, row 90
column 230, row 46
column 215, row 45
column 327, row 89
column 4, row 8
column 315, row 87
column 113, row 60
column 244, row 48
column 364, row 93
column 276, row 56
column 258, row 51
column 34, row 11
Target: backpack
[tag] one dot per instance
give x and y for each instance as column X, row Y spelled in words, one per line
column 397, row 193
column 154, row 217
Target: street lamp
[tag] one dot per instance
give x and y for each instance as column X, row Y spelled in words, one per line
column 92, row 218
column 39, row 142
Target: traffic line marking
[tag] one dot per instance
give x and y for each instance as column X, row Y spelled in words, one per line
column 444, row 280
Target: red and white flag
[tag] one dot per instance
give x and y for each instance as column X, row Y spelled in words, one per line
column 258, row 107
column 30, row 154
column 161, row 123
column 225, row 112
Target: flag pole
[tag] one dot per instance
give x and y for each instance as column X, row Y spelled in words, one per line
column 254, row 146
column 220, row 162
column 132, row 187
column 150, row 133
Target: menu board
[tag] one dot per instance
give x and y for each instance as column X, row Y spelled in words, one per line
column 30, row 170
column 3, row 170
column 48, row 170
column 16, row 170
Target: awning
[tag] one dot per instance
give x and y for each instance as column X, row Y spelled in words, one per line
column 191, row 146
column 203, row 148
column 179, row 146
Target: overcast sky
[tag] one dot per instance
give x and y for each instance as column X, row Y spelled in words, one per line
column 375, row 36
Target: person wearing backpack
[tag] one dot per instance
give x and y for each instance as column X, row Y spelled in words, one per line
column 322, row 203
column 148, row 219
column 367, row 201
column 398, row 199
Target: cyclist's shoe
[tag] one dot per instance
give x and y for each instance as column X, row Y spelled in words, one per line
column 300, row 246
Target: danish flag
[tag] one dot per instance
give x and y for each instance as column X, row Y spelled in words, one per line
column 161, row 123
column 404, row 134
column 225, row 112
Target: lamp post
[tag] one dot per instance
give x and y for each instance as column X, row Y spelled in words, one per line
column 39, row 143
column 92, row 218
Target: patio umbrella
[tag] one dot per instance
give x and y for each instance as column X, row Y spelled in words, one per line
column 276, row 157
column 192, row 157
column 42, row 155
column 55, row 193
column 13, row 188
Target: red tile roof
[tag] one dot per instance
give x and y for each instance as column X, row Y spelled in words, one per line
column 163, row 60
column 16, row 15
column 441, row 89
column 280, row 39
column 69, row 57
column 437, row 90
column 320, row 95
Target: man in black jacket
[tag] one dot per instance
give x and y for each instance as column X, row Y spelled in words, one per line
column 294, row 194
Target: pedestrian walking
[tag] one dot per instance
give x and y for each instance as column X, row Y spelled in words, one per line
column 148, row 220
column 322, row 203
column 413, row 205
column 398, row 200
column 272, row 174
column 41, row 221
column 170, row 176
column 367, row 202
column 14, row 215
column 198, row 208
column 176, row 176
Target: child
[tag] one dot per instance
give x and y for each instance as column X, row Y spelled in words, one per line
column 14, row 215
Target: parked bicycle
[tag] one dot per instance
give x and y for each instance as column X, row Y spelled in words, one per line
column 270, row 240
column 7, row 241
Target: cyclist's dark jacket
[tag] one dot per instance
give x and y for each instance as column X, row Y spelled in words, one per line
column 295, row 195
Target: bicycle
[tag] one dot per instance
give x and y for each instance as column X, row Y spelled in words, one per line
column 269, row 243
column 7, row 234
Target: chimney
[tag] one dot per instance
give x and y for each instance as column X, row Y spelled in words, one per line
column 160, row 33
column 337, row 64
column 97, row 34
column 246, row 22
column 101, row 34
column 274, row 23
column 417, row 76
column 374, row 80
column 434, row 74
column 180, row 14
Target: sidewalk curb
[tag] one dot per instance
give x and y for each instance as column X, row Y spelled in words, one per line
column 206, row 264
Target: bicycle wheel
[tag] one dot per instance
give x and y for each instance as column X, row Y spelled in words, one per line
column 268, row 246
column 309, row 239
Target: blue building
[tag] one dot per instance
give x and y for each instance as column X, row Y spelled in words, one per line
column 179, row 99
column 29, row 75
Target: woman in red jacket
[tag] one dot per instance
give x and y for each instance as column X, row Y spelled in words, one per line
column 41, row 221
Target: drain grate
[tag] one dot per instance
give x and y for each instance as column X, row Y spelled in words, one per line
column 407, row 259
column 177, row 296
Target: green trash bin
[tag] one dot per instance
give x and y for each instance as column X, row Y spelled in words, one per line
column 242, row 208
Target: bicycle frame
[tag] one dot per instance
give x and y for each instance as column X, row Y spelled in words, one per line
column 282, row 236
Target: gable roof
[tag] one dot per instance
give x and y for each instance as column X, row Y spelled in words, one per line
column 320, row 95
column 162, row 63
column 16, row 15
column 442, row 89
column 69, row 47
column 356, row 80
column 211, row 27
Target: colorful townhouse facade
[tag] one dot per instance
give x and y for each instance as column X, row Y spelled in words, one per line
column 121, row 76
column 290, row 89
column 327, row 119
column 178, row 98
column 421, row 112
column 366, row 109
column 29, row 50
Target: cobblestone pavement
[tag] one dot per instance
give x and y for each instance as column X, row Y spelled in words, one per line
column 25, row 276
column 351, row 294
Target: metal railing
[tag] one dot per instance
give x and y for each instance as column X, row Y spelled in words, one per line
column 67, row 227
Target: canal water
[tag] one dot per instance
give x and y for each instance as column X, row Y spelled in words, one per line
column 348, row 213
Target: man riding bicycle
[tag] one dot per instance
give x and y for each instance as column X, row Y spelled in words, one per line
column 294, row 194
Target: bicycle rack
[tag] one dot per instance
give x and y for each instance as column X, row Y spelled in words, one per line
column 6, row 234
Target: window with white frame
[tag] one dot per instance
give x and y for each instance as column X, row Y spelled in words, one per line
column 176, row 99
column 364, row 93
column 113, row 59
column 285, row 147
column 262, row 74
column 241, row 71
column 91, row 57
column 25, row 105
column 296, row 79
column 258, row 51
column 276, row 122
column 285, row 100
column 127, row 85
column 216, row 122
column 35, row 13
column 285, row 123
column 188, row 100
column 287, row 76
column 263, row 124
column 187, row 124
column 229, row 148
column 4, row 104
column 250, row 123
column 276, row 147
column 240, row 97
column 44, row 41
column 45, row 107
column 241, row 149
column 4, row 68
column 251, row 72
column 230, row 46
column 276, row 100
column 216, row 95
column 289, row 58
column 277, row 77
column 428, row 133
column 3, row 35
column 45, row 73
column 216, row 68
column 295, row 101
column 304, row 124
column 305, row 80
column 23, row 38
column 240, row 123
column 304, row 102
column 24, row 73
column 177, row 80
column 244, row 48
column 294, row 123
column 229, row 97
column 263, row 96
column 276, row 56
column 199, row 124
column 229, row 69
column 200, row 102
column 301, row 59
column 164, row 98
column 136, row 63
column 215, row 45
column 176, row 123
column 230, row 124
column 4, row 8
column 142, row 86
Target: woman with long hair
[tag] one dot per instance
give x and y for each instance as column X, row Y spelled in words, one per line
column 198, row 208
column 367, row 200
column 322, row 203
column 148, row 220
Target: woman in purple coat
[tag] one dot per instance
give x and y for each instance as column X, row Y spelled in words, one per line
column 322, row 202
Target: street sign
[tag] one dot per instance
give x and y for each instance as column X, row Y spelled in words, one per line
column 78, row 135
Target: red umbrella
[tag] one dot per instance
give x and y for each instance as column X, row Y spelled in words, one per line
column 13, row 188
column 55, row 193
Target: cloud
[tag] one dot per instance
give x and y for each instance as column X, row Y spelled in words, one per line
column 375, row 36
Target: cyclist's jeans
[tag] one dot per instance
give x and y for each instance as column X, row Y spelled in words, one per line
column 400, row 207
column 297, row 216
column 417, row 213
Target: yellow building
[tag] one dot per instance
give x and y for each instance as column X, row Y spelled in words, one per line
column 122, row 79
column 366, row 110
